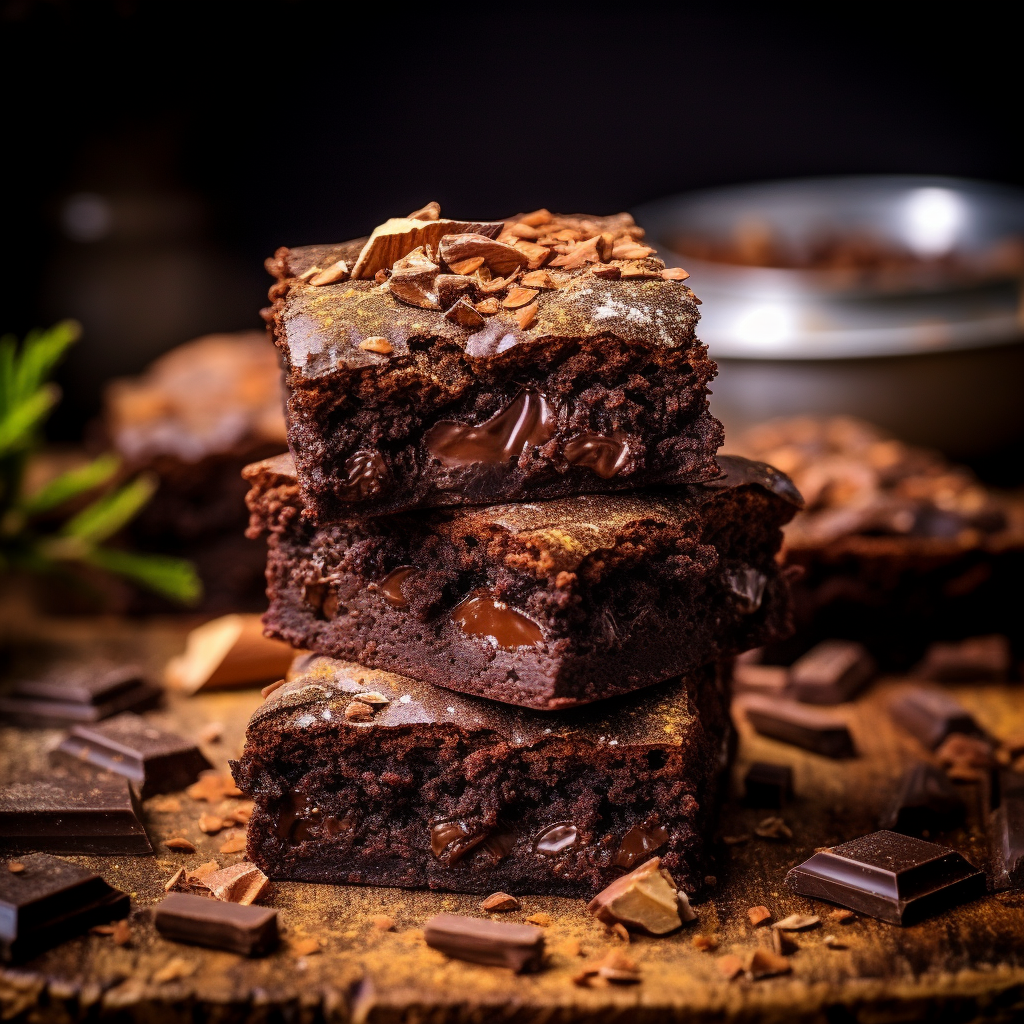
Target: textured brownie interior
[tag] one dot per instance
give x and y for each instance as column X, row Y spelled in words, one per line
column 462, row 794
column 598, row 595
column 609, row 358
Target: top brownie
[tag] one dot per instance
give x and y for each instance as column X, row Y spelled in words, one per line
column 444, row 362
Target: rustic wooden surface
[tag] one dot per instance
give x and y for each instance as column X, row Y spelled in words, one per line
column 967, row 964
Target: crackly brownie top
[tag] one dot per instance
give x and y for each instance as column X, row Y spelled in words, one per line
column 201, row 398
column 320, row 689
column 561, row 533
column 484, row 286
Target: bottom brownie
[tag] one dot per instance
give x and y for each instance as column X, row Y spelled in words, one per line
column 418, row 787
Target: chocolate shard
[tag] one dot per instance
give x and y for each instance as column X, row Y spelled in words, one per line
column 182, row 917
column 70, row 693
column 931, row 715
column 772, row 680
column 737, row 471
column 646, row 900
column 895, row 878
column 155, row 760
column 925, row 801
column 100, row 816
column 978, row 658
column 1007, row 833
column 831, row 672
column 517, row 946
column 795, row 723
column 49, row 901
column 768, row 785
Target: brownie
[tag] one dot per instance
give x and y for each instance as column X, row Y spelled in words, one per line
column 361, row 776
column 444, row 362
column 546, row 605
column 898, row 547
column 196, row 416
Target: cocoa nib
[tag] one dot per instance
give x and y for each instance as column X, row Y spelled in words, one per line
column 500, row 258
column 413, row 278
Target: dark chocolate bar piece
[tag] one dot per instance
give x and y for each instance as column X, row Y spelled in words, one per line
column 931, row 715
column 925, row 801
column 47, row 901
column 518, row 946
column 249, row 930
column 155, row 760
column 792, row 722
column 895, row 878
column 1007, row 833
column 831, row 672
column 772, row 680
column 545, row 605
column 976, row 659
column 474, row 796
column 70, row 693
column 768, row 785
column 99, row 816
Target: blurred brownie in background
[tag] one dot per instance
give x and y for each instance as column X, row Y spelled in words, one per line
column 195, row 417
column 898, row 546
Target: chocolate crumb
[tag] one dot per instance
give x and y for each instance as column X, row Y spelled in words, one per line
column 383, row 923
column 764, row 963
column 615, row 967
column 833, row 943
column 705, row 943
column 758, row 915
column 541, row 919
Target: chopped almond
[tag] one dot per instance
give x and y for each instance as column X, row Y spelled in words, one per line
column 526, row 315
column 357, row 711
column 379, row 345
column 729, row 966
column 334, row 273
column 674, row 274
column 518, row 297
column 538, row 279
column 179, row 845
column 234, row 844
column 499, row 902
column 758, row 915
column 536, row 218
column 466, row 267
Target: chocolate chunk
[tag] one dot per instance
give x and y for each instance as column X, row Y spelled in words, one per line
column 931, row 715
column 156, row 761
column 637, row 843
column 767, row 679
column 646, row 900
column 483, row 615
column 527, row 420
column 831, row 672
column 790, row 722
column 768, row 785
column 96, row 817
column 49, row 901
column 737, row 471
column 606, row 456
column 748, row 586
column 553, row 839
column 251, row 931
column 1007, row 833
column 925, row 801
column 72, row 693
column 895, row 878
column 518, row 946
column 391, row 586
column 975, row 659
column 365, row 475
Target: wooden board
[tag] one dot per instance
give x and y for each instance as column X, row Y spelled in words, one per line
column 967, row 964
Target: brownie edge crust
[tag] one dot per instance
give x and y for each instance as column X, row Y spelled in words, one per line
column 412, row 786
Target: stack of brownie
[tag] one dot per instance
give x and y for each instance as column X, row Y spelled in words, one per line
column 503, row 535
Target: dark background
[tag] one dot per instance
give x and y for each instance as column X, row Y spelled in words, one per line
column 214, row 132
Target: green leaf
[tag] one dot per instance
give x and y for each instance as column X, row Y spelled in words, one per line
column 72, row 483
column 172, row 577
column 40, row 353
column 105, row 516
column 20, row 420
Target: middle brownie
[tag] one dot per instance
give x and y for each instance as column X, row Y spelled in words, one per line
column 545, row 605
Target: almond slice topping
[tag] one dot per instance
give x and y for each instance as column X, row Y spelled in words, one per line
column 334, row 273
column 379, row 345
column 526, row 315
column 518, row 297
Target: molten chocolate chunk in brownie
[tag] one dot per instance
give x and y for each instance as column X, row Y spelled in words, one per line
column 546, row 605
column 432, row 789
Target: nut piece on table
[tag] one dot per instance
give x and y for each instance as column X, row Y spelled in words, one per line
column 645, row 900
column 229, row 651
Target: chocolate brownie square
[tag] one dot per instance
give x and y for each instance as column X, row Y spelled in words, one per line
column 361, row 776
column 545, row 605
column 444, row 362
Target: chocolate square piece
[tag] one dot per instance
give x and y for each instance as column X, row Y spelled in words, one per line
column 448, row 363
column 976, row 659
column 768, row 785
column 518, row 946
column 831, row 672
column 925, row 801
column 100, row 816
column 468, row 795
column 546, row 605
column 75, row 692
column 931, row 715
column 896, row 878
column 48, row 901
column 248, row 930
column 791, row 722
column 155, row 760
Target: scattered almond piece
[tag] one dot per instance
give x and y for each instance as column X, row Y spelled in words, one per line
column 615, row 967
column 164, row 805
column 536, row 219
column 466, row 267
column 518, row 297
column 213, row 786
column 122, row 933
column 783, row 943
column 379, row 345
column 305, row 947
column 535, row 254
column 180, row 845
column 101, row 929
column 499, row 902
column 674, row 274
column 15, row 867
column 797, row 922
column 538, row 279
column 758, row 915
column 620, row 931
column 381, row 277
column 211, row 824
column 706, row 943
column 173, row 881
column 241, row 883
column 540, row 918
column 357, row 711
column 334, row 273
column 173, row 970
column 526, row 315
column 606, row 271
column 307, row 274
column 729, row 966
column 487, row 307
column 373, row 697
column 383, row 923
column 234, row 844
column 630, row 250
column 843, row 916
column 764, row 963
column 773, row 828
